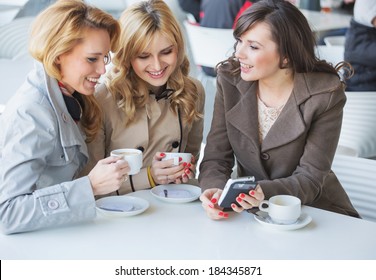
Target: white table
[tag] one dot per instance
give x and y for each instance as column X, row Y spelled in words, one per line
column 183, row 231
column 326, row 21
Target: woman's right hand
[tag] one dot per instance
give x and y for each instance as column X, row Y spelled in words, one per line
column 209, row 199
column 108, row 175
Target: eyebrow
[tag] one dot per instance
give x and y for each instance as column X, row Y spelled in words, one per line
column 165, row 49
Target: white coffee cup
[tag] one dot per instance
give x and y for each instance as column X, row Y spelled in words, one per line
column 185, row 157
column 132, row 156
column 282, row 209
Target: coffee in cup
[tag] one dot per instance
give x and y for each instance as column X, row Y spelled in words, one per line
column 185, row 157
column 282, row 209
column 132, row 156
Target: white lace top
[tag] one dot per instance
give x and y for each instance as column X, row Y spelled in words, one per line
column 267, row 116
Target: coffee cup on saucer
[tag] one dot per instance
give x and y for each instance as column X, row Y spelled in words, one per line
column 185, row 157
column 282, row 209
column 132, row 156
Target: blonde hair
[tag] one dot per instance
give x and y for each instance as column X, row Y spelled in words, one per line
column 57, row 30
column 140, row 22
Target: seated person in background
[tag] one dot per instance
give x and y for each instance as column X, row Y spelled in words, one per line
column 360, row 47
column 46, row 124
column 278, row 112
column 149, row 100
column 192, row 7
column 221, row 14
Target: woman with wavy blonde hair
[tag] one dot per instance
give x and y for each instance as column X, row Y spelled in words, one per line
column 45, row 126
column 149, row 100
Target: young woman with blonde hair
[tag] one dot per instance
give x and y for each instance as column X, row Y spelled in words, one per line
column 46, row 125
column 149, row 100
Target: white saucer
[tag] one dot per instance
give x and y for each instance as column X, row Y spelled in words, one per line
column 264, row 219
column 176, row 193
column 121, row 206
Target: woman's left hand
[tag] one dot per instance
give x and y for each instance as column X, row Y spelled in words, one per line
column 189, row 172
column 250, row 200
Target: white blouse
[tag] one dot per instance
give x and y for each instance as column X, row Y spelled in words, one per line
column 266, row 116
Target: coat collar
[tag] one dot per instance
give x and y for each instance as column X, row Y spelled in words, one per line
column 70, row 133
column 290, row 124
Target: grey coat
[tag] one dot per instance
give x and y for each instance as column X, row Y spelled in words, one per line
column 296, row 155
column 41, row 151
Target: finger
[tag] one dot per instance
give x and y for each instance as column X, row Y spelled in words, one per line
column 245, row 204
column 110, row 159
column 158, row 156
column 236, row 208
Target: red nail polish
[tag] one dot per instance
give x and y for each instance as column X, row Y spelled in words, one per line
column 221, row 213
column 184, row 164
column 210, row 205
column 162, row 154
column 189, row 165
column 252, row 193
column 180, row 159
column 232, row 205
column 187, row 171
column 213, row 200
column 242, row 195
column 225, row 215
column 238, row 199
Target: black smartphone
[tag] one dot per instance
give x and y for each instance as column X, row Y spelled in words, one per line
column 233, row 188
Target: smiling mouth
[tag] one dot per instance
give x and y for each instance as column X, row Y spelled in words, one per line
column 156, row 73
column 245, row 66
column 93, row 80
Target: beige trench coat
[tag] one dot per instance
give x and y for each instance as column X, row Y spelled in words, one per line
column 155, row 129
column 296, row 155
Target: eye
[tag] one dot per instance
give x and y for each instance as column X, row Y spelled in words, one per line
column 253, row 47
column 92, row 59
column 107, row 59
column 166, row 52
column 143, row 56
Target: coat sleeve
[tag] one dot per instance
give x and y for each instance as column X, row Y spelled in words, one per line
column 195, row 134
column 218, row 161
column 27, row 200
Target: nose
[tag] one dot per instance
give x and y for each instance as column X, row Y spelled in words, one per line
column 156, row 64
column 101, row 68
column 239, row 51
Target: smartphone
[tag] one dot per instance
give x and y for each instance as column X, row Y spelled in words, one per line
column 233, row 188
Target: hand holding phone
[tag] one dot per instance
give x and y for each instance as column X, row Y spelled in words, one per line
column 233, row 188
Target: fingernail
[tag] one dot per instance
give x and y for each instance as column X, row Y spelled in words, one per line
column 180, row 159
column 189, row 165
column 211, row 205
column 213, row 200
column 232, row 205
column 242, row 195
column 184, row 164
column 162, row 154
column 238, row 199
column 221, row 213
column 187, row 171
column 252, row 193
column 225, row 215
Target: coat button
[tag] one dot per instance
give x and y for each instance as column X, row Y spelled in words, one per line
column 53, row 204
column 265, row 156
column 142, row 149
column 175, row 144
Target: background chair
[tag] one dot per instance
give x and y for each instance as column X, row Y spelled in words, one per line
column 332, row 54
column 209, row 45
column 335, row 40
column 358, row 133
column 15, row 62
column 358, row 178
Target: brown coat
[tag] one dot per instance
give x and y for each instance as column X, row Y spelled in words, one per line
column 296, row 155
column 155, row 129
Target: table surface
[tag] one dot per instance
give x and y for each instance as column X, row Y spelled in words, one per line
column 183, row 231
column 326, row 21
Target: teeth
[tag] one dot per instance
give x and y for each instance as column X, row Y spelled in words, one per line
column 245, row 65
column 156, row 73
column 94, row 80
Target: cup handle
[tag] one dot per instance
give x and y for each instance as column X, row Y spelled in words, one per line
column 261, row 206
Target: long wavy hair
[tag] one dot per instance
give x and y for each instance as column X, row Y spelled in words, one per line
column 291, row 32
column 140, row 22
column 56, row 31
